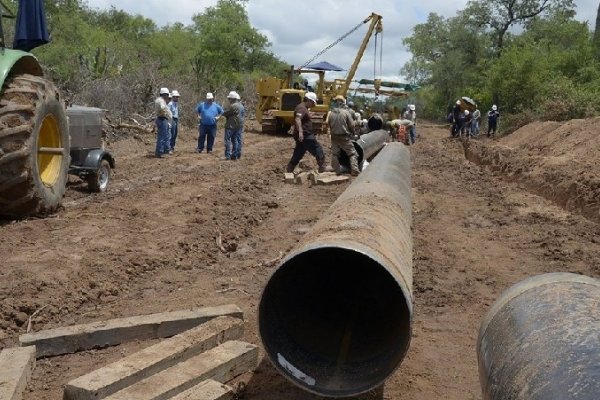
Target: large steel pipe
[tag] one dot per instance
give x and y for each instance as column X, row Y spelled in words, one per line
column 335, row 316
column 541, row 341
column 366, row 146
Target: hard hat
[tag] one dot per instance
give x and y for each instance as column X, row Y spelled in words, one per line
column 466, row 112
column 350, row 103
column 458, row 102
column 311, row 96
column 164, row 90
column 494, row 107
column 340, row 98
column 209, row 96
column 233, row 95
column 411, row 107
column 364, row 121
column 175, row 93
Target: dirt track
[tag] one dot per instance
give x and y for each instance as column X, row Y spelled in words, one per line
column 149, row 246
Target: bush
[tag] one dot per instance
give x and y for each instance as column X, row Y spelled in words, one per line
column 511, row 122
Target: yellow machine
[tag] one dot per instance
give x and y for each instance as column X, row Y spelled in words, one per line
column 277, row 97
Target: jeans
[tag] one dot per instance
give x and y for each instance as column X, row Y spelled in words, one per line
column 208, row 134
column 475, row 128
column 309, row 144
column 233, row 143
column 412, row 134
column 174, row 130
column 162, row 137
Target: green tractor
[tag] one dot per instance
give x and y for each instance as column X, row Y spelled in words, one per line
column 34, row 134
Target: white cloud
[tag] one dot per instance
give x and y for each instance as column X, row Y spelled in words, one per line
column 298, row 31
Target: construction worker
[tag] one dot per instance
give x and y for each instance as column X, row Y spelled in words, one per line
column 163, row 116
column 234, row 124
column 174, row 107
column 465, row 127
column 493, row 116
column 411, row 115
column 340, row 124
column 304, row 135
column 475, row 121
column 208, row 115
column 456, row 118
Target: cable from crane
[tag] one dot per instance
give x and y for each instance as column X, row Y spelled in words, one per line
column 333, row 44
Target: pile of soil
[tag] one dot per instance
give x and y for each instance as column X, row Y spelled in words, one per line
column 557, row 160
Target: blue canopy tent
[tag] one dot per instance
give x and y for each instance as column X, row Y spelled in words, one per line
column 31, row 30
column 324, row 66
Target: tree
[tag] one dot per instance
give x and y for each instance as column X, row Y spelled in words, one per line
column 228, row 44
column 501, row 15
column 597, row 34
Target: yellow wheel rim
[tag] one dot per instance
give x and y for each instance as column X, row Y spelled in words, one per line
column 50, row 151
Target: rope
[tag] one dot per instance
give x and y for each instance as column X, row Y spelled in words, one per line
column 375, row 60
column 381, row 57
column 332, row 44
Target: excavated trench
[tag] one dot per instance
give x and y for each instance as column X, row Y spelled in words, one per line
column 572, row 191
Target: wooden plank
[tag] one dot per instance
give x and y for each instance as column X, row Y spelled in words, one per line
column 221, row 364
column 107, row 380
column 331, row 180
column 207, row 390
column 116, row 331
column 16, row 367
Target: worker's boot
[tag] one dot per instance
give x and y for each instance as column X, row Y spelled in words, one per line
column 323, row 167
column 290, row 167
column 354, row 171
column 335, row 164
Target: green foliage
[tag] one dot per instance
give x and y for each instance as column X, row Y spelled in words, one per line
column 112, row 59
column 228, row 45
column 548, row 69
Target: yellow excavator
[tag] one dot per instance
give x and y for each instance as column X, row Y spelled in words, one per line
column 278, row 97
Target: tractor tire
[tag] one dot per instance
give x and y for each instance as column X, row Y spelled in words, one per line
column 34, row 147
column 98, row 180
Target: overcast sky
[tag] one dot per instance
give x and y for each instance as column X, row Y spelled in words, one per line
column 299, row 30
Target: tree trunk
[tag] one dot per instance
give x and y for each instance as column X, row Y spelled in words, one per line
column 597, row 34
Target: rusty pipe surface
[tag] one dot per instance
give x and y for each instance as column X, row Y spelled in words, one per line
column 541, row 340
column 335, row 316
column 366, row 146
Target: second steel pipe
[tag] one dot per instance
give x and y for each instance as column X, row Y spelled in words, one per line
column 366, row 146
column 335, row 316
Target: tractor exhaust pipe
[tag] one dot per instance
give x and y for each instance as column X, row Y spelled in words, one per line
column 366, row 146
column 335, row 316
column 541, row 340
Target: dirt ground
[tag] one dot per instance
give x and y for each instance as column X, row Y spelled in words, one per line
column 148, row 245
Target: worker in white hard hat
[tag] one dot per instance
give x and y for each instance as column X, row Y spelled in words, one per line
column 466, row 126
column 340, row 124
column 305, row 135
column 174, row 107
column 163, row 117
column 411, row 115
column 208, row 114
column 493, row 116
column 234, row 126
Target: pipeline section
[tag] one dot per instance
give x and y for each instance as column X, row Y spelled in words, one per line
column 541, row 340
column 366, row 146
column 335, row 316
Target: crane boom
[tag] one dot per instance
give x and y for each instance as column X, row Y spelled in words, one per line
column 377, row 26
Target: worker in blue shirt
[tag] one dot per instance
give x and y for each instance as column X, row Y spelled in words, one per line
column 208, row 115
column 174, row 107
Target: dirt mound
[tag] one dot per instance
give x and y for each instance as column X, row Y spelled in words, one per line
column 555, row 160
